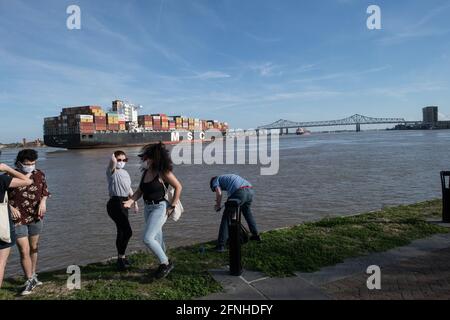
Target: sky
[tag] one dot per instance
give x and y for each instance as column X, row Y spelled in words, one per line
column 247, row 62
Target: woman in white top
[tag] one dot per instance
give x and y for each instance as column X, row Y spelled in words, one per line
column 119, row 187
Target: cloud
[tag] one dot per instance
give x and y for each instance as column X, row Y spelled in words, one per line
column 345, row 74
column 266, row 69
column 305, row 68
column 307, row 94
column 262, row 38
column 161, row 9
column 407, row 89
column 210, row 75
column 410, row 30
column 443, row 117
column 412, row 34
column 206, row 11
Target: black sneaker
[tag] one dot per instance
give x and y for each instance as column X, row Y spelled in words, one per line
column 256, row 238
column 220, row 249
column 164, row 270
column 121, row 266
column 127, row 262
column 29, row 286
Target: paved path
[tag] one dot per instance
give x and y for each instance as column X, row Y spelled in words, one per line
column 425, row 277
column 420, row 270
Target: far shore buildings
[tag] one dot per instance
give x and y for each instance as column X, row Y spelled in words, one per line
column 430, row 121
column 431, row 118
column 430, row 115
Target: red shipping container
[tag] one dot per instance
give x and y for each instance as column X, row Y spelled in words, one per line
column 100, row 127
column 99, row 119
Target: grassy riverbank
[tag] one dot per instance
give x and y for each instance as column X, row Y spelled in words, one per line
column 306, row 247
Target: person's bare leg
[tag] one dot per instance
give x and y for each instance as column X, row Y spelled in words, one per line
column 34, row 248
column 4, row 253
column 25, row 259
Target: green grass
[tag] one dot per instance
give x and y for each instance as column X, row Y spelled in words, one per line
column 306, row 248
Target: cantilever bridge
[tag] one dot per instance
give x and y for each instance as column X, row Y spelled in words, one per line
column 356, row 119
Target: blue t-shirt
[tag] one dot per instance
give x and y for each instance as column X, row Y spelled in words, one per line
column 230, row 183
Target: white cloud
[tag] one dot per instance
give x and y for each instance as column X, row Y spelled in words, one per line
column 266, row 69
column 345, row 74
column 443, row 117
column 262, row 39
column 211, row 75
column 408, row 30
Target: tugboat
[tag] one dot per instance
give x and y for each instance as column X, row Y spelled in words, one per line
column 301, row 132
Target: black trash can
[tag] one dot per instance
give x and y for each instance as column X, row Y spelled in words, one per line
column 232, row 210
column 445, row 180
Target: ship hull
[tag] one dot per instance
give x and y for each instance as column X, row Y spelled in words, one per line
column 126, row 139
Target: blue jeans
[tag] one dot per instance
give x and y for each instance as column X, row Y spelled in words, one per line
column 155, row 218
column 246, row 198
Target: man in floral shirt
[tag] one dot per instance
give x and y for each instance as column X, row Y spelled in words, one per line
column 28, row 207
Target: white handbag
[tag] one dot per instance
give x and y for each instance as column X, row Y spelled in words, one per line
column 170, row 192
column 5, row 231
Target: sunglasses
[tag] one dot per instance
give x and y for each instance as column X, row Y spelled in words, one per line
column 122, row 160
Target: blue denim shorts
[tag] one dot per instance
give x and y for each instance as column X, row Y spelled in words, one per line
column 29, row 230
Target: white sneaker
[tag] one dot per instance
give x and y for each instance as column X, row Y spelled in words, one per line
column 38, row 283
column 29, row 287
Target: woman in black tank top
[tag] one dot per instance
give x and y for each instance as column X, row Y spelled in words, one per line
column 157, row 176
column 153, row 190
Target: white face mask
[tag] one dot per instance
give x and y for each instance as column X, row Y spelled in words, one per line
column 120, row 165
column 28, row 169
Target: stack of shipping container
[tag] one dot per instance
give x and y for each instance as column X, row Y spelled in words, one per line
column 178, row 122
column 101, row 123
column 91, row 119
column 145, row 122
column 164, row 122
column 84, row 123
column 113, row 121
column 156, row 118
column 122, row 122
column 51, row 125
column 171, row 122
column 75, row 120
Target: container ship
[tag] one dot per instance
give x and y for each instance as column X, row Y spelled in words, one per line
column 91, row 127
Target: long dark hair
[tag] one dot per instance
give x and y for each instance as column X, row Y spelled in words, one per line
column 160, row 156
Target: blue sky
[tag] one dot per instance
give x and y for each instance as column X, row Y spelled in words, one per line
column 248, row 62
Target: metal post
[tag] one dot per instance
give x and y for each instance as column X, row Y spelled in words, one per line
column 445, row 196
column 232, row 209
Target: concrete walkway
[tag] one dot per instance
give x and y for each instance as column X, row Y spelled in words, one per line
column 420, row 270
